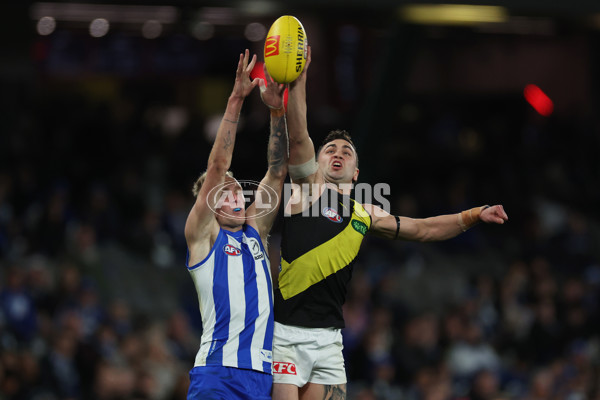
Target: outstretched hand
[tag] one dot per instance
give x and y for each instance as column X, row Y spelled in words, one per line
column 302, row 78
column 243, row 85
column 494, row 214
column 271, row 92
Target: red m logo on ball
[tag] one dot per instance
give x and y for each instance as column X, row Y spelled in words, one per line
column 272, row 46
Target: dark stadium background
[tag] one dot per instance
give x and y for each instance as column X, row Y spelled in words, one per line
column 102, row 137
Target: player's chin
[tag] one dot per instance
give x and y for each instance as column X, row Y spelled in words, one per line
column 336, row 173
column 339, row 180
column 238, row 220
column 233, row 215
column 342, row 176
column 239, row 215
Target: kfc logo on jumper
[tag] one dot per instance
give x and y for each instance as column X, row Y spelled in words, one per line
column 231, row 250
column 332, row 215
column 284, row 368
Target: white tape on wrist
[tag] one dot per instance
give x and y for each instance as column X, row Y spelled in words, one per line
column 303, row 170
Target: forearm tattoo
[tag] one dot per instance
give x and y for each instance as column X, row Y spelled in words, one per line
column 277, row 154
column 335, row 392
column 227, row 141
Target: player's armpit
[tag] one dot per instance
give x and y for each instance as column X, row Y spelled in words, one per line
column 383, row 224
column 390, row 226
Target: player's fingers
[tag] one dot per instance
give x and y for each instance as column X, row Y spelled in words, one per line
column 261, row 85
column 500, row 211
column 251, row 65
column 245, row 60
column 255, row 82
column 239, row 66
column 267, row 75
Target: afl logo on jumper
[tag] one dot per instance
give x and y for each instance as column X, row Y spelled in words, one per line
column 231, row 250
column 332, row 215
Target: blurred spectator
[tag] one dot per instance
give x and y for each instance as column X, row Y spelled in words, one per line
column 375, row 349
column 418, row 347
column 485, row 386
column 181, row 340
column 17, row 306
column 60, row 366
column 471, row 353
column 544, row 343
column 357, row 311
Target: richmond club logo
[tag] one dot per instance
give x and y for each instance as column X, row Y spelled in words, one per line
column 231, row 250
column 332, row 215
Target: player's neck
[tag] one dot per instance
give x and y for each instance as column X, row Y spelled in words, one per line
column 344, row 188
column 232, row 227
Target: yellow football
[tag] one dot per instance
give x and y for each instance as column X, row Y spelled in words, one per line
column 286, row 49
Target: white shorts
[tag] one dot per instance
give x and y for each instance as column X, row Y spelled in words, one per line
column 302, row 355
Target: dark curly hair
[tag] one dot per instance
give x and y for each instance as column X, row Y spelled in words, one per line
column 338, row 134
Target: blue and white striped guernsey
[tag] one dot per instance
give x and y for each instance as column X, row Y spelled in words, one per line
column 235, row 293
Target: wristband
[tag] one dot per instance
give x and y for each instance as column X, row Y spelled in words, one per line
column 263, row 89
column 277, row 112
column 469, row 218
column 303, row 170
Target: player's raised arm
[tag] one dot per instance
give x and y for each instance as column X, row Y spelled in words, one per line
column 436, row 228
column 302, row 151
column 201, row 222
column 263, row 211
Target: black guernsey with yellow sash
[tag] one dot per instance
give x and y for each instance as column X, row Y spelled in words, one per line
column 318, row 249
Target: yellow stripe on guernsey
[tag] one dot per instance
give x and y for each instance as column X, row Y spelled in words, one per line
column 325, row 259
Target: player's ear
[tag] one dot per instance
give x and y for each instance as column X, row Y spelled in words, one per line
column 355, row 177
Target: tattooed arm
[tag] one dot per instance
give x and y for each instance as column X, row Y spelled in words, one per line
column 201, row 226
column 262, row 213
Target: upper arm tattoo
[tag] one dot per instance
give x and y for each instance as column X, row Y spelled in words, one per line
column 277, row 154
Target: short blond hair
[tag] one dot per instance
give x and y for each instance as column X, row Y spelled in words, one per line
column 201, row 179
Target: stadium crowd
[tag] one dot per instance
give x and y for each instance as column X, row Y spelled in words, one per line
column 96, row 303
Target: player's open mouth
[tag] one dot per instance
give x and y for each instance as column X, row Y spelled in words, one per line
column 336, row 165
